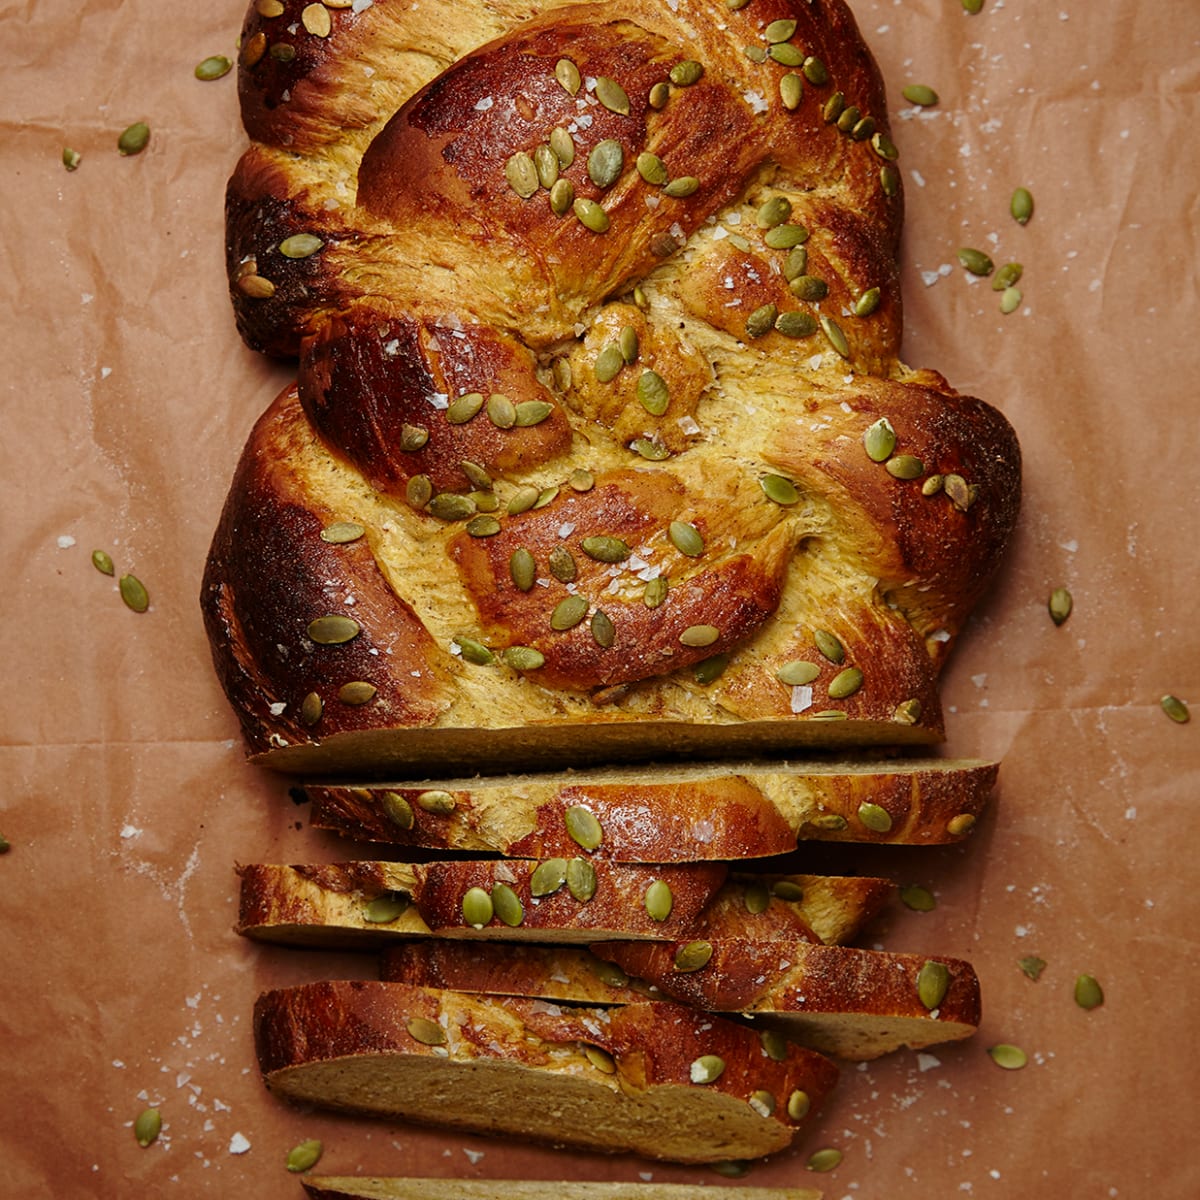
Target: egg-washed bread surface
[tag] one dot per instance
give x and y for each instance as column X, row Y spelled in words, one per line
column 633, row 475
column 361, row 1187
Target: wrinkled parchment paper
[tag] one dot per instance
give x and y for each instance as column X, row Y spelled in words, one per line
column 125, row 797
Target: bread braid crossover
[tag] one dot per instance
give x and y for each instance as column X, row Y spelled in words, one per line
column 600, row 445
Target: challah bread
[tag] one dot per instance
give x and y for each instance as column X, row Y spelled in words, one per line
column 670, row 814
column 600, row 447
column 361, row 1187
column 656, row 1079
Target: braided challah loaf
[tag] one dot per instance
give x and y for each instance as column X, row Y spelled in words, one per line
column 600, row 445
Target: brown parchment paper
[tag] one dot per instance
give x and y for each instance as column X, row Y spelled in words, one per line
column 124, row 794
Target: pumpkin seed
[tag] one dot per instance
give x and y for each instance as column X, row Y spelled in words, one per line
column 1021, row 205
column 437, row 801
column 212, row 67
column 837, row 337
column 684, row 74
column 1059, row 605
column 522, row 175
column 905, row 466
column 581, row 879
column 879, row 440
column 338, row 533
column 829, row 822
column 333, row 630
column 562, row 374
column 875, row 817
column 147, row 1126
column 686, row 538
column 608, row 363
column 828, row 714
column 524, row 658
column 612, row 95
column 932, row 485
column 358, row 692
column 583, row 827
column 71, row 158
column 476, row 475
column 629, row 344
column 254, row 49
column 545, row 496
column 546, row 162
column 1176, row 709
column 960, row 823
column 708, row 1068
column 317, row 20
column 507, row 905
column 562, row 197
column 660, row 93
column 605, row 162
column 486, row 502
column 761, row 321
column 908, row 712
column 656, row 591
column 133, row 593
column 972, row 6
column 567, row 74
column 824, row 1160
column 649, row 449
column 791, row 91
column 563, row 146
column 532, row 412
column 774, row 1044
column 798, row 1105
column 829, row 645
column 1088, row 992
column 283, row 52
column 784, row 237
column 699, row 635
column 522, row 568
column 522, row 500
column 548, row 877
column 779, row 489
column 845, row 683
column 1007, row 276
column 464, row 408
column 501, row 411
column 709, row 670
column 796, row 263
column 832, row 108
column 604, row 633
column 311, row 708
column 605, row 549
column 774, row 212
column 815, row 71
column 103, row 562
column 600, row 1059
column 425, row 1031
column 884, row 146
column 477, row 908
column 734, row 5
column 449, row 506
column 658, row 900
column 300, row 245
column 1008, row 1056
column 920, row 94
column 1032, row 966
column 652, row 393
column 385, row 909
column 867, row 303
column 797, row 673
column 568, row 612
column 787, row 889
column 808, row 287
column 779, row 31
column 756, row 54
column 651, row 168
column 763, row 1102
column 933, row 980
column 591, row 215
column 608, row 973
column 975, row 261
column 685, row 185
column 955, row 486
column 397, row 810
column 418, row 491
column 785, row 54
column 889, row 180
column 1010, row 301
column 917, row 898
column 483, row 526
column 562, row 565
column 134, row 139
column 756, row 898
column 304, row 1157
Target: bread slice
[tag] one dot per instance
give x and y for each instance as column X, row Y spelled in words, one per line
column 339, row 904
column 630, row 1079
column 670, row 813
column 848, row 1003
column 360, row 1187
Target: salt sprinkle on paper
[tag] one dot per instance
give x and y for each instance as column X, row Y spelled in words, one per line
column 65, row 541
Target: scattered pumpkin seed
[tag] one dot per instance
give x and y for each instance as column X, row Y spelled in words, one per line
column 787, row 889
column 605, row 162
column 797, row 673
column 1008, row 1056
column 955, row 486
column 522, row 568
column 832, row 108
column 1010, row 300
column 608, row 973
column 692, row 956
column 845, row 683
column 917, row 898
column 756, row 898
column 815, row 71
column 357, row 692
column 521, row 173
column 920, row 94
column 884, row 146
column 608, row 363
column 1059, row 605
column 629, row 344
column 612, row 95
column 685, row 185
column 533, row 412
column 756, row 54
column 507, row 905
column 972, row 6
column 581, row 879
column 581, row 480
column 779, row 489
column 134, row 593
column 311, row 708
column 486, row 502
column 385, row 909
column 699, row 635
column 779, row 31
column 761, row 321
column 824, row 1160
column 828, row 714
column 774, row 1044
column 583, row 827
column 591, row 215
column 836, row 335
column 1032, row 966
column 850, row 116
column 652, row 168
column 1021, row 205
column 501, row 411
column 425, row 1031
column 134, row 139
column 796, row 263
column 1088, row 992
column 522, row 500
column 605, row 549
column 600, row 1059
column 1006, row 276
column 397, row 809
column 763, row 1102
column 734, row 5
column 477, row 908
column 653, row 393
column 548, row 876
column 524, row 658
column 212, row 67
column 658, row 900
column 889, row 179
column 283, row 52
column 546, row 162
column 562, row 197
column 709, row 670
column 908, row 712
column 147, row 1126
column 656, row 591
column 254, row 48
column 450, row 506
column 867, row 303
column 660, row 93
column 255, row 287
column 686, row 538
column 784, row 237
column 905, row 466
column 933, row 981
column 975, row 261
column 932, row 485
column 829, row 645
column 103, row 562
column 785, row 54
column 464, row 408
column 568, row 612
column 604, row 633
column 440, row 803
column 562, row 565
column 545, row 496
column 419, row 491
column 791, row 91
column 563, row 146
column 567, row 74
column 684, row 74
column 484, row 525
column 649, row 449
column 960, row 823
column 1176, row 709
column 338, row 533
column 798, row 1105
column 808, row 287
column 862, row 129
column 708, row 1068
column 317, row 20
column 300, row 245
column 875, row 817
column 304, row 1157
column 829, row 822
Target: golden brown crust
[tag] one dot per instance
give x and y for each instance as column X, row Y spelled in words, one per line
column 505, row 1065
column 361, row 1187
